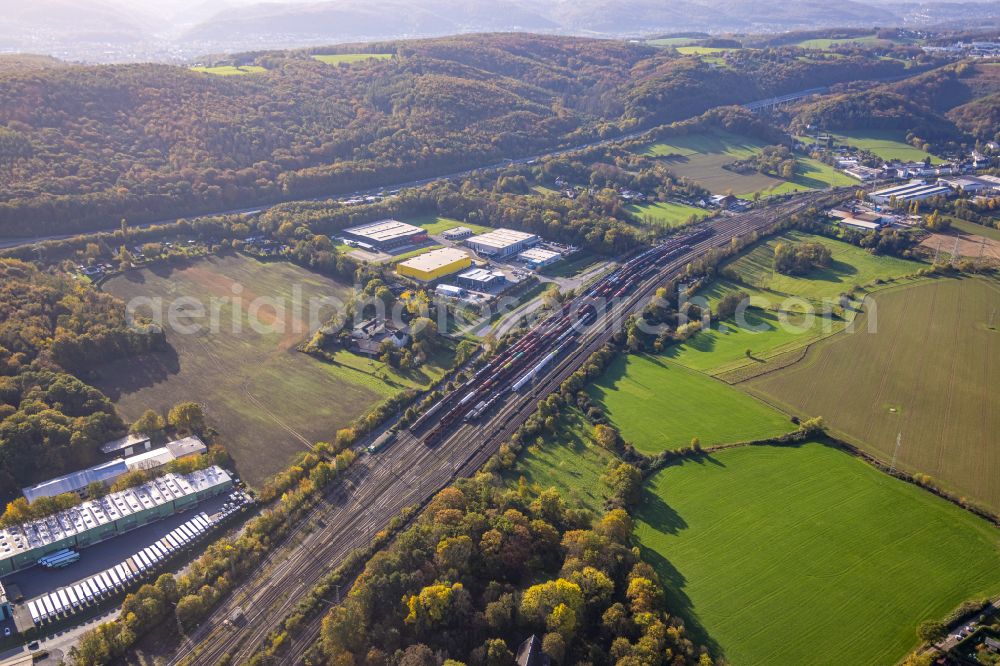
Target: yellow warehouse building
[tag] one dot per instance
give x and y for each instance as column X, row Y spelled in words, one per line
column 434, row 264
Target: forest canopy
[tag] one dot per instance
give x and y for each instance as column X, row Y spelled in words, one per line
column 50, row 420
column 82, row 147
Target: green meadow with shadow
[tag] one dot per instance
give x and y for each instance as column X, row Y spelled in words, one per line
column 808, row 555
column 786, row 311
column 659, row 405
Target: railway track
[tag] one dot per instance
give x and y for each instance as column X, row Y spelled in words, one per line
column 407, row 472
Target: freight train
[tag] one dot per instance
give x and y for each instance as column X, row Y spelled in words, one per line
column 517, row 367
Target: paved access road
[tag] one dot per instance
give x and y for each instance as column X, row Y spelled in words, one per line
column 377, row 487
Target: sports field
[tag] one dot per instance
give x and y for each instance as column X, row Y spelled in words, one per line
column 807, row 555
column 230, row 70
column 667, row 214
column 545, row 191
column 348, row 58
column 887, row 144
column 266, row 399
column 702, row 156
column 659, row 405
column 928, row 372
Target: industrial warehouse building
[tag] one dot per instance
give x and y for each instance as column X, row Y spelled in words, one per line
column 501, row 242
column 98, row 519
column 386, row 234
column 458, row 233
column 108, row 472
column 916, row 190
column 537, row 258
column 434, row 264
column 971, row 184
column 449, row 291
column 126, row 446
column 189, row 446
column 864, row 220
column 77, row 482
column 481, row 279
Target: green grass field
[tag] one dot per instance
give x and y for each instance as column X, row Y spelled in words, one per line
column 967, row 227
column 928, row 373
column 702, row 156
column 887, row 144
column 807, row 555
column 545, row 191
column 672, row 41
column 779, row 321
column 814, row 175
column 348, row 58
column 667, row 214
column 824, row 44
column 435, row 224
column 659, row 405
column 703, row 50
column 765, row 333
column 850, row 266
column 579, row 262
column 262, row 395
column 230, row 70
column 571, row 462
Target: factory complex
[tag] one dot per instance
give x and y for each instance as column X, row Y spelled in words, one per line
column 107, row 472
column 434, row 264
column 501, row 243
column 95, row 520
column 385, row 234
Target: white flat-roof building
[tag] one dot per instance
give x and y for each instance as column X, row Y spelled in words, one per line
column 968, row 184
column 501, row 242
column 98, row 519
column 386, row 234
column 537, row 257
column 482, row 279
column 860, row 224
column 916, row 190
column 458, row 233
column 449, row 291
column 77, row 482
column 126, row 446
column 151, row 459
column 188, row 446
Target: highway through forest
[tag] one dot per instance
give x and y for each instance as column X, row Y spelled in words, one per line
column 407, row 472
column 7, row 243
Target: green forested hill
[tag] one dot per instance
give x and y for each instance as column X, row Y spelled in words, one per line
column 81, row 147
column 939, row 105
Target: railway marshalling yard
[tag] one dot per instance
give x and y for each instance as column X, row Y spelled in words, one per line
column 867, row 386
